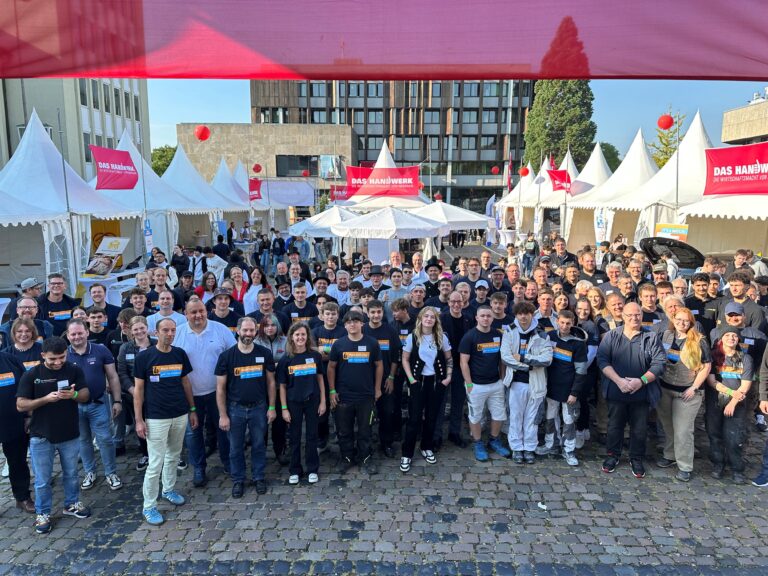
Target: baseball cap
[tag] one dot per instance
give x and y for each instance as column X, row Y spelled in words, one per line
column 497, row 269
column 481, row 284
column 545, row 259
column 187, row 274
column 734, row 308
column 385, row 263
column 660, row 267
column 28, row 283
column 222, row 292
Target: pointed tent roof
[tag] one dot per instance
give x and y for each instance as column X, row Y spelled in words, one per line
column 595, row 173
column 226, row 185
column 517, row 192
column 160, row 195
column 387, row 224
column 33, row 183
column 531, row 193
column 187, row 180
column 385, row 159
column 635, row 170
column 551, row 198
column 661, row 188
column 454, row 217
column 320, row 224
column 240, row 174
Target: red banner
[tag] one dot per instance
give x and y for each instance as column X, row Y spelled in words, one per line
column 114, row 169
column 737, row 170
column 254, row 189
column 338, row 193
column 383, row 181
column 561, row 180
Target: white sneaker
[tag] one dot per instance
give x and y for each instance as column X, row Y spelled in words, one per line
column 114, row 482
column 88, row 481
column 570, row 458
column 293, row 479
column 405, row 464
column 579, row 439
column 429, row 456
column 313, row 478
column 5, row 471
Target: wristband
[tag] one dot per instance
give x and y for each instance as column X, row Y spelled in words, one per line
column 643, row 379
column 285, row 407
column 270, row 408
column 192, row 409
column 74, row 396
column 468, row 384
column 333, row 391
column 412, row 380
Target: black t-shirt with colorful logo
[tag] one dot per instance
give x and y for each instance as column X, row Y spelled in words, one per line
column 162, row 372
column 355, row 367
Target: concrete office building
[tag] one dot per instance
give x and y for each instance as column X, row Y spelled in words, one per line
column 747, row 124
column 92, row 111
column 457, row 130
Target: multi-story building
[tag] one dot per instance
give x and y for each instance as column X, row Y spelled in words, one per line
column 747, row 124
column 92, row 111
column 458, row 131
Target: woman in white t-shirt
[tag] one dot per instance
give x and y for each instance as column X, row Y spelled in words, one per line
column 428, row 366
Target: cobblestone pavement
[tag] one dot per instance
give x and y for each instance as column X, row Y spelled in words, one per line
column 456, row 517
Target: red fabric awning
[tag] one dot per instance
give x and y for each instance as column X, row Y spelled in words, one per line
column 400, row 39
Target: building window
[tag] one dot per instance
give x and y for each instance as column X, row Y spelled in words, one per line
column 107, row 99
column 437, row 89
column 469, row 142
column 375, row 116
column 490, row 115
column 359, row 117
column 471, row 89
column 488, row 142
column 526, row 89
column 431, row 116
column 505, row 88
column 95, row 94
column 110, row 142
column 302, row 89
column 469, row 116
column 452, row 143
column 86, row 144
column 338, row 116
column 342, row 89
column 83, row 86
column 434, row 143
column 490, row 89
column 317, row 89
column 99, row 140
column 302, row 115
column 127, row 104
column 117, row 101
column 295, row 165
column 413, row 88
column 411, row 143
column 319, row 117
column 456, row 89
column 355, row 89
column 375, row 142
column 375, row 89
column 136, row 113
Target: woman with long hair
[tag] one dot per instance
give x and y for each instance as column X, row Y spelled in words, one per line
column 728, row 384
column 270, row 335
column 24, row 343
column 258, row 283
column 597, row 300
column 562, row 302
column 179, row 260
column 207, row 287
column 428, row 366
column 302, row 399
column 685, row 372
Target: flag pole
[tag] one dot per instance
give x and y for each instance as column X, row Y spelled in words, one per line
column 76, row 257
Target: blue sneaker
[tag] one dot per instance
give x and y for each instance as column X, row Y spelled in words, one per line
column 481, row 454
column 496, row 445
column 174, row 497
column 153, row 516
column 761, row 481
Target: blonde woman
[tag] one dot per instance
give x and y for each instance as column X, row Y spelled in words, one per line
column 685, row 373
column 428, row 367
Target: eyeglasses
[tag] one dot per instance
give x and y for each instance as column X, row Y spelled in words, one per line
column 633, row 315
column 55, row 283
column 26, row 307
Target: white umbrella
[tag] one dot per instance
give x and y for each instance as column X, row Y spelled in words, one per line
column 454, row 217
column 387, row 224
column 320, row 224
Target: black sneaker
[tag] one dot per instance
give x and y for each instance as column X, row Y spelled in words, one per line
column 683, row 476
column 529, row 456
column 638, row 470
column 388, row 451
column 609, row 464
column 370, row 467
column 665, row 462
column 738, row 478
column 182, row 464
column 345, row 464
column 142, row 463
column 517, row 457
column 261, row 486
column 237, row 490
column 717, row 472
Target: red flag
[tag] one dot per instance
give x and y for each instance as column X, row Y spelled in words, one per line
column 114, row 169
column 338, row 192
column 561, row 180
column 254, row 189
column 383, row 181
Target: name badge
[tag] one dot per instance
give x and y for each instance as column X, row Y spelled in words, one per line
column 403, row 331
column 309, row 361
column 496, row 339
column 361, row 348
column 260, row 359
column 154, row 378
column 750, row 341
column 294, row 314
column 695, row 312
column 130, row 356
column 62, row 384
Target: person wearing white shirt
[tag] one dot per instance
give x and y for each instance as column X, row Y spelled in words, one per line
column 165, row 302
column 340, row 290
column 419, row 274
column 203, row 341
column 214, row 263
column 294, row 275
column 196, row 265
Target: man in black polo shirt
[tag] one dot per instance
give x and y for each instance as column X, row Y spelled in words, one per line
column 52, row 391
column 55, row 306
column 98, row 294
column 325, row 335
column 300, row 310
column 355, row 371
column 440, row 301
column 700, row 303
column 589, row 270
column 245, row 394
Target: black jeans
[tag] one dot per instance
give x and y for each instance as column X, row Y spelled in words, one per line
column 726, row 435
column 397, row 421
column 458, row 396
column 588, row 391
column 324, row 422
column 346, row 414
column 15, row 451
column 207, row 409
column 279, row 433
column 621, row 413
column 425, row 398
column 305, row 411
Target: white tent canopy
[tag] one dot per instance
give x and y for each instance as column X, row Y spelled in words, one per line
column 454, row 217
column 387, row 224
column 551, row 198
column 226, row 185
column 370, row 203
column 595, row 173
column 538, row 188
column 320, row 224
column 511, row 199
column 721, row 224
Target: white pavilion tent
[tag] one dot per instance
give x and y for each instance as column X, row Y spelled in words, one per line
column 591, row 221
column 454, row 217
column 389, row 223
column 319, row 225
column 725, row 223
column 370, row 203
column 595, row 173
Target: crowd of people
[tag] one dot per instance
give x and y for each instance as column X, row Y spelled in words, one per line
column 540, row 352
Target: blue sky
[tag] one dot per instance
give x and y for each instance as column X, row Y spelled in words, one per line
column 620, row 107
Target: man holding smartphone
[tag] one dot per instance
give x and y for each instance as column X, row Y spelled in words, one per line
column 51, row 391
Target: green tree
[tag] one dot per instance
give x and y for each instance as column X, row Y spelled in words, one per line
column 667, row 141
column 322, row 202
column 611, row 154
column 161, row 158
column 560, row 118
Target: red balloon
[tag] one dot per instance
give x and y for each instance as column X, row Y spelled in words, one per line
column 305, row 173
column 421, row 185
column 202, row 132
column 438, row 196
column 495, row 170
column 257, row 168
column 523, row 171
column 665, row 122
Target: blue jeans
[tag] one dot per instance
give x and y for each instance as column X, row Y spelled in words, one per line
column 206, row 409
column 320, row 255
column 764, row 469
column 275, row 259
column 95, row 421
column 264, row 261
column 43, row 452
column 527, row 264
column 254, row 417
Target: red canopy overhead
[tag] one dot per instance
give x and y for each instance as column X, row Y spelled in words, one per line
column 400, row 39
